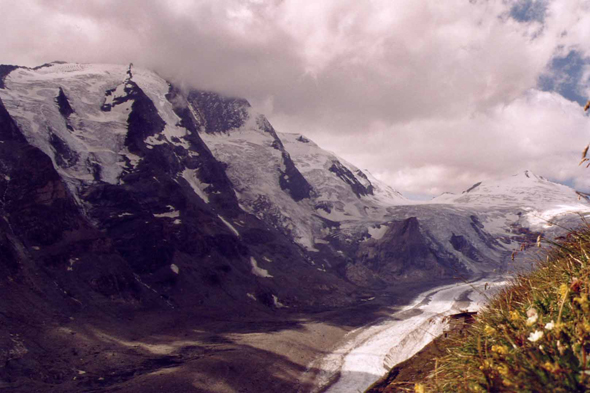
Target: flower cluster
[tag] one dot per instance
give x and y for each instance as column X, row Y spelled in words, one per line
column 535, row 336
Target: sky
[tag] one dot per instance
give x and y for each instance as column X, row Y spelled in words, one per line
column 429, row 96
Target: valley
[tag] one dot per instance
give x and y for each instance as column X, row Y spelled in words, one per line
column 154, row 235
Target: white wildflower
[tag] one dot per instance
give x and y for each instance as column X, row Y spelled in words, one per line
column 535, row 336
column 550, row 325
column 532, row 315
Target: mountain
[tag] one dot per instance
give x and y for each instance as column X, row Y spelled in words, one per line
column 123, row 194
column 520, row 203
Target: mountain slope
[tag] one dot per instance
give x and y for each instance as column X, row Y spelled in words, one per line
column 134, row 168
column 135, row 150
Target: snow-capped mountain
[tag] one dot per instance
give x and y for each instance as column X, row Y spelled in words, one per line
column 523, row 200
column 121, row 192
column 524, row 189
column 190, row 180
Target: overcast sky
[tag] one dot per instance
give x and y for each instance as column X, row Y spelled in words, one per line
column 430, row 96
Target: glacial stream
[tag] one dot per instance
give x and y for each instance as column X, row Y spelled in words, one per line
column 367, row 353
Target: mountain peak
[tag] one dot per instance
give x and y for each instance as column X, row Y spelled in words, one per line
column 529, row 175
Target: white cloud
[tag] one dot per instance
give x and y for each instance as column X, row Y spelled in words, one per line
column 539, row 131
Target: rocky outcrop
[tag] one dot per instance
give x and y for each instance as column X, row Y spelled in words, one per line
column 348, row 177
column 5, row 69
column 407, row 252
column 64, row 104
column 216, row 113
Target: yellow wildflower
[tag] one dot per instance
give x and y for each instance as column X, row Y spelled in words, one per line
column 514, row 316
column 488, row 330
column 503, row 370
column 551, row 367
column 558, row 327
column 476, row 388
column 582, row 301
column 500, row 349
column 419, row 388
column 563, row 290
column 487, row 364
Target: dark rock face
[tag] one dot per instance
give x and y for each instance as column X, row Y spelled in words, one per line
column 217, row 113
column 64, row 104
column 484, row 236
column 4, row 71
column 43, row 232
column 143, row 122
column 9, row 131
column 210, row 170
column 406, row 252
column 461, row 244
column 473, row 187
column 290, row 179
column 369, row 188
column 293, row 181
column 348, row 177
column 64, row 156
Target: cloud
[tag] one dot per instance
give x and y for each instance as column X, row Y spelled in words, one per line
column 540, row 131
column 429, row 96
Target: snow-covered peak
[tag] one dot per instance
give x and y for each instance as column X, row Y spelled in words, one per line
column 522, row 190
column 88, row 141
column 315, row 163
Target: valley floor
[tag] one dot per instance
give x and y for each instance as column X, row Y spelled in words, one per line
column 190, row 352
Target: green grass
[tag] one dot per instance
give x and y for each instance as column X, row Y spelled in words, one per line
column 533, row 337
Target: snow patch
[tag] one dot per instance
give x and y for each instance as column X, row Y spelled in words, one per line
column 230, row 226
column 153, row 140
column 540, row 220
column 277, row 303
column 172, row 214
column 190, row 175
column 258, row 271
column 72, row 261
column 133, row 159
column 118, row 93
column 377, row 232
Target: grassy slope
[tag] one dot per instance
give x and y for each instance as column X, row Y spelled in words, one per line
column 533, row 337
column 403, row 376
